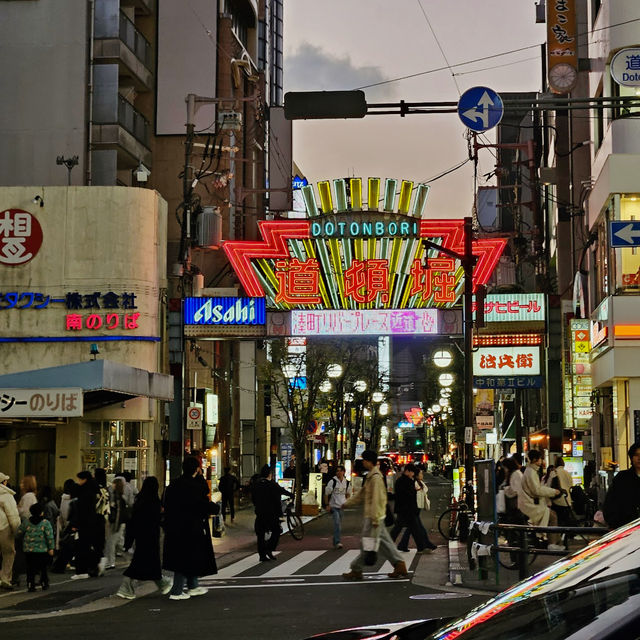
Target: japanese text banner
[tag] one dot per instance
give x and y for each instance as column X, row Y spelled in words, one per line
column 41, row 403
column 506, row 361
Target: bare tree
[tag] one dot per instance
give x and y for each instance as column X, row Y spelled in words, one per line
column 295, row 380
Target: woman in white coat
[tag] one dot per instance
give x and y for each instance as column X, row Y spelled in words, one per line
column 9, row 523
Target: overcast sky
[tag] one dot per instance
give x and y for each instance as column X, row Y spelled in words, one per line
column 346, row 44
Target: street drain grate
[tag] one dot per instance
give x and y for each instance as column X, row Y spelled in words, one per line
column 53, row 600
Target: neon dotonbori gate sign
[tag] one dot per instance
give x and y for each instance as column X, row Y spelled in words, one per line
column 346, row 256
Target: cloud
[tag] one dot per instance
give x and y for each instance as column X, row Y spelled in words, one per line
column 310, row 68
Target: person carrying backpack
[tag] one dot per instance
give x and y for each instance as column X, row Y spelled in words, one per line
column 336, row 492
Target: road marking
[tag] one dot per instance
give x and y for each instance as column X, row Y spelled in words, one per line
column 289, row 567
column 342, row 564
column 265, row 585
column 240, row 566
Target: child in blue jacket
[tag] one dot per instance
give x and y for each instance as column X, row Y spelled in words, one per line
column 38, row 544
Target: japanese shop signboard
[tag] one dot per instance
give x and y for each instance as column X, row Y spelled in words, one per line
column 351, row 258
column 367, row 322
column 506, row 361
column 625, row 67
column 562, row 45
column 227, row 311
column 513, row 307
column 20, row 236
column 41, row 403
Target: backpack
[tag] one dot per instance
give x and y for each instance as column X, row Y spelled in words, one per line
column 335, row 482
column 103, row 508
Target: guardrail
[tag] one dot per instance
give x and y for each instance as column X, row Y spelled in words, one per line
column 519, row 542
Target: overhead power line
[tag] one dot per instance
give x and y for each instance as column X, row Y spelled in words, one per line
column 491, row 57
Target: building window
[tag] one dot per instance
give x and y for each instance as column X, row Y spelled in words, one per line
column 601, row 263
column 117, row 446
column 629, row 259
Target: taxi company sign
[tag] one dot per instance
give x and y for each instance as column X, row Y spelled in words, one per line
column 41, row 403
column 506, row 361
column 225, row 311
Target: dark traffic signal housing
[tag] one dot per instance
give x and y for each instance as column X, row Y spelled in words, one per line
column 317, row 105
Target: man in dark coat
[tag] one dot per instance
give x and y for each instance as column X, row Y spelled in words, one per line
column 622, row 502
column 228, row 486
column 268, row 506
column 188, row 548
column 406, row 509
column 88, row 526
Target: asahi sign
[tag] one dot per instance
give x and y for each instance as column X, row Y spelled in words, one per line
column 224, row 311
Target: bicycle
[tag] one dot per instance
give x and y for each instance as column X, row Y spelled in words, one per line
column 294, row 521
column 454, row 522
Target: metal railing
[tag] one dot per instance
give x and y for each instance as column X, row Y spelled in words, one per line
column 130, row 35
column 519, row 545
column 133, row 121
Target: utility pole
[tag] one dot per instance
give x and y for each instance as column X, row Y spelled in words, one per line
column 468, row 261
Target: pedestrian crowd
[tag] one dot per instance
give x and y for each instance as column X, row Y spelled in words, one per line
column 95, row 521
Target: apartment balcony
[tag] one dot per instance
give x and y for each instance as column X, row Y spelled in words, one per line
column 118, row 41
column 142, row 7
column 117, row 125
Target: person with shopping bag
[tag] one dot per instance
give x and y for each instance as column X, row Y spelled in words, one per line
column 375, row 536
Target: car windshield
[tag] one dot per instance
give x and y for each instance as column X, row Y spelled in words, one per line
column 598, row 586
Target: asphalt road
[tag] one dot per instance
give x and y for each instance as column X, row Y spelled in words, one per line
column 300, row 594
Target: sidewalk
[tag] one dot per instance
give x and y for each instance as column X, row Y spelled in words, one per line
column 80, row 596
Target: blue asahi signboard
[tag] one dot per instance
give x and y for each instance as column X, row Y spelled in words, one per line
column 226, row 311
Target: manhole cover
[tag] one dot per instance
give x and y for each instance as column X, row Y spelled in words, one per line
column 439, row 596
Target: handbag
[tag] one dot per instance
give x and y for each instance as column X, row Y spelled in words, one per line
column 389, row 518
column 501, row 502
column 370, row 548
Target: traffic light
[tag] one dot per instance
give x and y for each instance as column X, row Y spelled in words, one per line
column 318, row 105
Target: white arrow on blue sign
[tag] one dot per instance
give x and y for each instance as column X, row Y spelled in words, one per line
column 624, row 233
column 480, row 108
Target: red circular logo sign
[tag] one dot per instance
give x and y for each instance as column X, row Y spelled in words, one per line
column 194, row 413
column 20, row 236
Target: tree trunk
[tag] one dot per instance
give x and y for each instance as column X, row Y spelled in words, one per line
column 299, row 449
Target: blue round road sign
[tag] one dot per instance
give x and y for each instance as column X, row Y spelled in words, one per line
column 480, row 108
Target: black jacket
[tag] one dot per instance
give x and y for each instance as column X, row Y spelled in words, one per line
column 406, row 502
column 144, row 529
column 188, row 547
column 622, row 503
column 228, row 484
column 84, row 514
column 266, row 498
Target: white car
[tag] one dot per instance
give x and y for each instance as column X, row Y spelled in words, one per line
column 594, row 593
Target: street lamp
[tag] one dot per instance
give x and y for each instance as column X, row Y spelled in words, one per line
column 325, row 386
column 442, row 358
column 445, row 379
column 377, row 396
column 334, row 370
column 436, row 408
column 360, row 386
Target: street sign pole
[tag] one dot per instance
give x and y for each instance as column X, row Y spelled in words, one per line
column 468, row 261
column 468, row 264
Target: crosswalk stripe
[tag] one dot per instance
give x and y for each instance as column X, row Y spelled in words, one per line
column 292, row 565
column 341, row 565
column 387, row 567
column 240, row 566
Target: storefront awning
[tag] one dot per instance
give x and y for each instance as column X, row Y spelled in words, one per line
column 103, row 382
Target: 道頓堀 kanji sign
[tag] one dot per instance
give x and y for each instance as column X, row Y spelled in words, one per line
column 345, row 256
